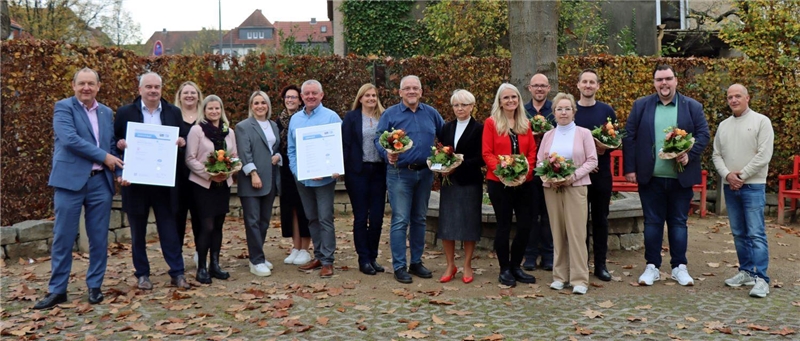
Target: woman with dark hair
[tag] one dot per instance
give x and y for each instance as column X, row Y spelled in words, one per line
column 294, row 223
column 366, row 176
column 188, row 98
column 211, row 193
column 257, row 142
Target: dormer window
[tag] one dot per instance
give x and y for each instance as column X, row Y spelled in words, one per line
column 323, row 28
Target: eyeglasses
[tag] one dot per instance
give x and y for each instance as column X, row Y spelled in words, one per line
column 291, row 97
column 538, row 86
column 564, row 109
column 411, row 88
column 459, row 105
column 668, row 79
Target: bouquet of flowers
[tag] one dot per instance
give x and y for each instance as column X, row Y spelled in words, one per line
column 676, row 143
column 555, row 169
column 512, row 170
column 608, row 135
column 220, row 162
column 395, row 141
column 540, row 125
column 443, row 159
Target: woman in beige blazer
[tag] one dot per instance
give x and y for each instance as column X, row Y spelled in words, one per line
column 211, row 193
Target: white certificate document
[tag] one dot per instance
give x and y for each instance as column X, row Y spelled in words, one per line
column 151, row 155
column 319, row 151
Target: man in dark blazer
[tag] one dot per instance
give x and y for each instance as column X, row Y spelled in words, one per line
column 665, row 193
column 150, row 108
column 84, row 159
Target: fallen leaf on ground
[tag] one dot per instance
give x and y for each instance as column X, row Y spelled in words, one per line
column 459, row 312
column 592, row 313
column 680, row 326
column 690, row 319
column 412, row 325
column 606, row 304
column 493, row 337
column 643, row 307
column 441, row 302
column 637, row 319
column 412, row 334
column 437, row 320
column 322, row 320
column 753, row 326
column 745, row 332
column 740, row 321
column 785, row 331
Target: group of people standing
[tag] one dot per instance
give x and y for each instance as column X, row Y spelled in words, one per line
column 551, row 219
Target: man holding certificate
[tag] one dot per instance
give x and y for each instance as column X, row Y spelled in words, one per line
column 138, row 198
column 316, row 193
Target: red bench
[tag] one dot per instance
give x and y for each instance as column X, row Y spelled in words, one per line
column 793, row 194
column 619, row 184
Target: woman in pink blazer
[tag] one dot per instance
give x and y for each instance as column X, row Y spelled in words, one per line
column 211, row 193
column 568, row 206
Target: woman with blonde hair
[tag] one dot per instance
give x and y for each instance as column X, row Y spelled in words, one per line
column 257, row 141
column 365, row 177
column 188, row 99
column 508, row 132
column 211, row 193
column 567, row 204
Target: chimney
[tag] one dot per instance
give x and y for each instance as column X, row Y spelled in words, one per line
column 313, row 21
column 164, row 31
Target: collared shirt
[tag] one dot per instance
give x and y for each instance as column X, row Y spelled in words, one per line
column 421, row 127
column 546, row 111
column 153, row 117
column 319, row 116
column 92, row 113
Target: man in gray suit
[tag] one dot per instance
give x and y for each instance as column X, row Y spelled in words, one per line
column 84, row 161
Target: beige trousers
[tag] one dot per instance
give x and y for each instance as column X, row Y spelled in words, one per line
column 568, row 211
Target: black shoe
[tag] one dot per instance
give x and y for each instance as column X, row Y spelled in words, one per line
column 95, row 295
column 51, row 300
column 420, row 270
column 377, row 267
column 214, row 270
column 601, row 273
column 203, row 276
column 529, row 267
column 402, row 276
column 547, row 266
column 367, row 269
column 522, row 277
column 506, row 278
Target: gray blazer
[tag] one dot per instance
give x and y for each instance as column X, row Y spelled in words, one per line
column 251, row 144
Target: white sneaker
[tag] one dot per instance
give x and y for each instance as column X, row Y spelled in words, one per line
column 557, row 285
column 292, row 256
column 302, row 257
column 742, row 278
column 260, row 270
column 268, row 264
column 195, row 259
column 681, row 275
column 579, row 290
column 760, row 289
column 650, row 275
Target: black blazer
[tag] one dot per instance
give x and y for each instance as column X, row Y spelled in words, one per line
column 136, row 198
column 469, row 172
column 352, row 141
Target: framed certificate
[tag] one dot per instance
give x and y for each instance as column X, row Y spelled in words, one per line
column 319, row 151
column 151, row 155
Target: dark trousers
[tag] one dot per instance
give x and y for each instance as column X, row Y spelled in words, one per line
column 367, row 191
column 540, row 242
column 185, row 206
column 257, row 214
column 665, row 200
column 171, row 246
column 507, row 202
column 599, row 197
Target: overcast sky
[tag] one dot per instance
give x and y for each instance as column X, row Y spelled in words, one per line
column 192, row 15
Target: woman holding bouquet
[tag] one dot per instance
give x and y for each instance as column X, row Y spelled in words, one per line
column 257, row 145
column 211, row 193
column 462, row 198
column 507, row 132
column 188, row 98
column 566, row 200
column 366, row 176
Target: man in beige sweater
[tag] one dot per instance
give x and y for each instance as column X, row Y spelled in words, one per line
column 742, row 150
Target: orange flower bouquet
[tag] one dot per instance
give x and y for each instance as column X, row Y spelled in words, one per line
column 395, row 141
column 444, row 160
column 220, row 162
column 676, row 143
column 555, row 169
column 512, row 170
column 608, row 135
column 540, row 125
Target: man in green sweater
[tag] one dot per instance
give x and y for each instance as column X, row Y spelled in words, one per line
column 742, row 150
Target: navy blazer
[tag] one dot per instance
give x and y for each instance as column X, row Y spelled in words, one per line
column 170, row 116
column 75, row 146
column 469, row 172
column 638, row 150
column 352, row 141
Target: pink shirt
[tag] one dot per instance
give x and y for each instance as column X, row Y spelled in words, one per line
column 92, row 113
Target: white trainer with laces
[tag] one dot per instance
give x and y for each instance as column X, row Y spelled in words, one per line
column 650, row 275
column 579, row 290
column 268, row 264
column 260, row 270
column 303, row 257
column 681, row 274
column 742, row 278
column 760, row 289
column 557, row 285
column 292, row 256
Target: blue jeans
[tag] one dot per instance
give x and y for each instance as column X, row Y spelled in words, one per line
column 746, row 214
column 409, row 192
column 664, row 200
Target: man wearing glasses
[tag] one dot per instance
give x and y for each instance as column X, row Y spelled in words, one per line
column 540, row 242
column 665, row 192
column 408, row 179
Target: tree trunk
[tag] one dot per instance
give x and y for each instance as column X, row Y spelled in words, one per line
column 5, row 20
column 533, row 34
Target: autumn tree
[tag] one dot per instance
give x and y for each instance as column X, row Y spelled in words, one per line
column 118, row 24
column 201, row 43
column 582, row 29
column 75, row 21
column 767, row 30
column 468, row 28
